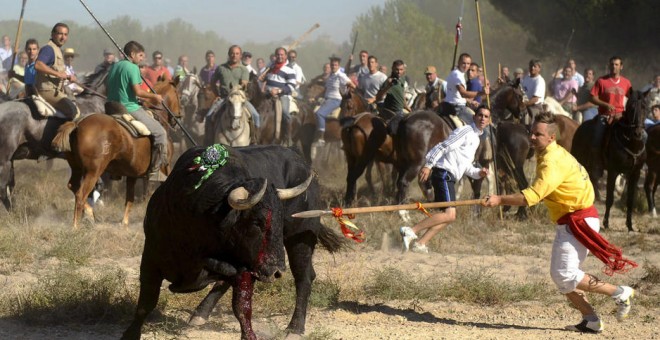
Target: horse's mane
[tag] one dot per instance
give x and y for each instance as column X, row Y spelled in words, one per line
column 95, row 80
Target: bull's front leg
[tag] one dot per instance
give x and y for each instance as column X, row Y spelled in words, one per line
column 203, row 311
column 150, row 281
column 243, row 288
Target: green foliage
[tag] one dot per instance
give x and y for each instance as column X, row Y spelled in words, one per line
column 603, row 28
column 400, row 30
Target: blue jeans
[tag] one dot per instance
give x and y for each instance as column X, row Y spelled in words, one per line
column 322, row 113
column 589, row 113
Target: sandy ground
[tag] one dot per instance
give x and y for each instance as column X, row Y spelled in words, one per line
column 393, row 319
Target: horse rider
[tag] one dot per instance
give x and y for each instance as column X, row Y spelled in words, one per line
column 157, row 69
column 446, row 163
column 393, row 91
column 181, row 69
column 455, row 103
column 51, row 72
column 300, row 76
column 435, row 88
column 207, row 72
column 609, row 93
column 371, row 82
column 564, row 186
column 336, row 82
column 32, row 50
column 123, row 86
column 534, row 87
column 69, row 55
column 281, row 83
column 360, row 70
column 108, row 60
column 246, row 59
column 231, row 73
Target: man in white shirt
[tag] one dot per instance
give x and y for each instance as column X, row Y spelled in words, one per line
column 534, row 87
column 373, row 81
column 300, row 76
column 247, row 62
column 5, row 50
column 446, row 163
column 436, row 88
column 457, row 93
column 336, row 81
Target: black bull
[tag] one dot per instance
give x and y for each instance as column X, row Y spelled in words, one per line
column 282, row 168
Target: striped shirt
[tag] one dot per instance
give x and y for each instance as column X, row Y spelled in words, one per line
column 284, row 79
column 456, row 153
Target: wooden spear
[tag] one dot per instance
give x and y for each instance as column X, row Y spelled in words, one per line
column 383, row 208
column 18, row 37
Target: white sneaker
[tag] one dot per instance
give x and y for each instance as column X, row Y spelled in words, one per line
column 587, row 327
column 420, row 248
column 623, row 302
column 408, row 236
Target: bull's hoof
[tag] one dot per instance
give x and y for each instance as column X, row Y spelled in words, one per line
column 197, row 320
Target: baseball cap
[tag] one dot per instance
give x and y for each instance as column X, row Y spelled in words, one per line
column 430, row 69
column 518, row 70
column 247, row 55
column 107, row 51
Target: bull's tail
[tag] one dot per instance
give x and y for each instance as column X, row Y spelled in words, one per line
column 61, row 141
column 331, row 241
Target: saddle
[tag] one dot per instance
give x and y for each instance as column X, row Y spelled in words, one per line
column 42, row 109
column 134, row 127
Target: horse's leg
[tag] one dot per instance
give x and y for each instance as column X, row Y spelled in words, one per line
column 632, row 192
column 86, row 186
column 609, row 196
column 355, row 169
column 650, row 184
column 367, row 176
column 130, row 198
column 6, row 173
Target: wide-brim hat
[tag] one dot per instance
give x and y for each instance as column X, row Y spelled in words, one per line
column 70, row 51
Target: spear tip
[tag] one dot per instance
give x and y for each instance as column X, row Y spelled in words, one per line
column 311, row 213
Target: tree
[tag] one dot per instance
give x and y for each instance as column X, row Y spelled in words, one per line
column 603, row 28
column 400, row 30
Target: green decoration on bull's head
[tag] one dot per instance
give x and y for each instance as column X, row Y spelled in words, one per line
column 210, row 160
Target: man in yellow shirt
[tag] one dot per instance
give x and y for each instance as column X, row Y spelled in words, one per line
column 564, row 186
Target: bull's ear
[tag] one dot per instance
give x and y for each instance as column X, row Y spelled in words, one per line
column 248, row 195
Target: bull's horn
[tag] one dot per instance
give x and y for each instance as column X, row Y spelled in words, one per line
column 285, row 194
column 240, row 198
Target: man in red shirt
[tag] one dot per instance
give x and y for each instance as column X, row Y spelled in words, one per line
column 609, row 94
column 156, row 70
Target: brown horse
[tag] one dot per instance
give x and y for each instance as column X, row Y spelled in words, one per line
column 98, row 143
column 653, row 165
column 366, row 142
column 512, row 137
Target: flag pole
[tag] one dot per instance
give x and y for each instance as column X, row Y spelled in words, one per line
column 457, row 37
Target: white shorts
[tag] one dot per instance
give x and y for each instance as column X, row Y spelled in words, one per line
column 567, row 256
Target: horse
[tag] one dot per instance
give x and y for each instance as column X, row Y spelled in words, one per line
column 365, row 142
column 653, row 166
column 232, row 125
column 26, row 135
column 512, row 137
column 189, row 89
column 624, row 153
column 98, row 143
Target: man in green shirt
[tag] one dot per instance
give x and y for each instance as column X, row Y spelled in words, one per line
column 123, row 86
column 231, row 73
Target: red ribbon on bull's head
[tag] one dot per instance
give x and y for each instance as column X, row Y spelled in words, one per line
column 348, row 228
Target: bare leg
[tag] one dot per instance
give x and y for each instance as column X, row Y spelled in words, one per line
column 589, row 284
column 434, row 224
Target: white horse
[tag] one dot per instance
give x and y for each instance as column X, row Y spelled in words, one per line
column 233, row 124
column 553, row 106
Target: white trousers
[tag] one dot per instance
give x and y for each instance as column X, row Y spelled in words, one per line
column 567, row 256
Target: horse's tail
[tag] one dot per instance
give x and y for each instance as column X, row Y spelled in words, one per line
column 61, row 141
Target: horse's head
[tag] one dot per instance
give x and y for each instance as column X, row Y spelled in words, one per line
column 167, row 90
column 634, row 114
column 236, row 100
column 188, row 88
column 352, row 103
column 508, row 102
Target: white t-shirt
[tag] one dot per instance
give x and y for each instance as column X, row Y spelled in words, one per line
column 534, row 87
column 456, row 77
column 334, row 83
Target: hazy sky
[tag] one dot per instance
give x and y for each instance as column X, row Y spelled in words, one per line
column 249, row 20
